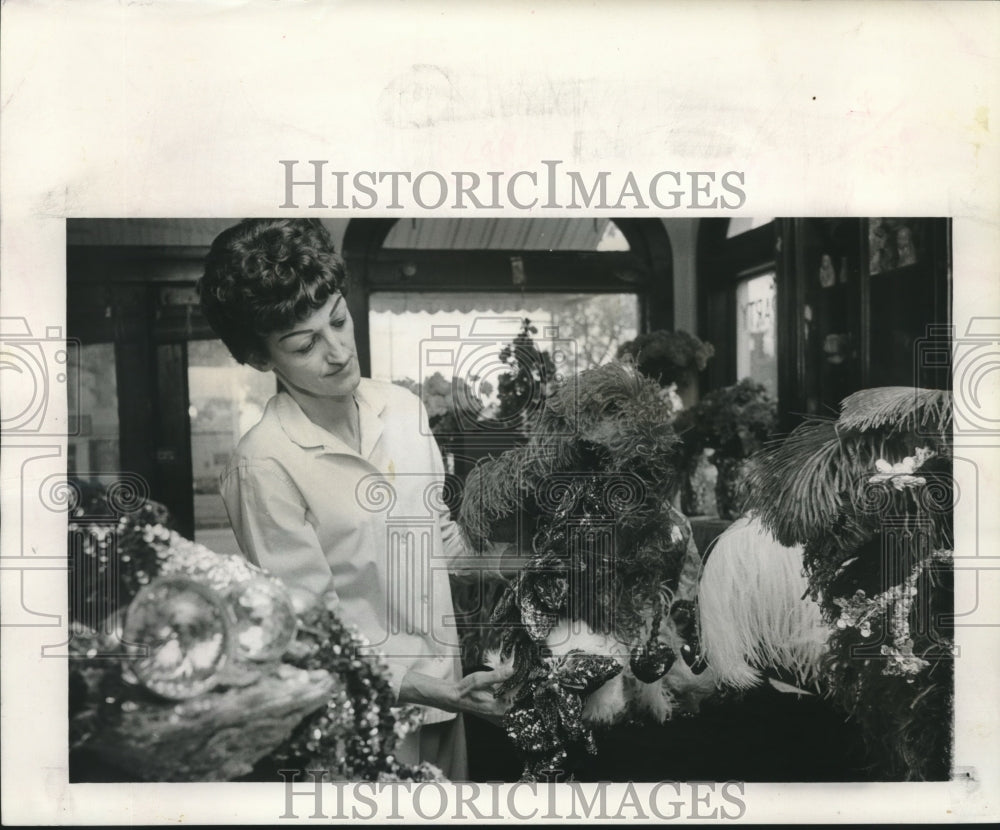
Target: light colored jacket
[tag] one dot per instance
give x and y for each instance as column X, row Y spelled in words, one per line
column 370, row 526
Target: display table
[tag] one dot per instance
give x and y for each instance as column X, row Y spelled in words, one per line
column 218, row 736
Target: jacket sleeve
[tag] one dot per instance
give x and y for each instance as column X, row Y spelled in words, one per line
column 269, row 517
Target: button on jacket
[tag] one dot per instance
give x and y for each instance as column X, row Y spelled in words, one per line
column 370, row 526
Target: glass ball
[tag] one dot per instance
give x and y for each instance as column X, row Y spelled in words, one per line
column 178, row 635
column 265, row 618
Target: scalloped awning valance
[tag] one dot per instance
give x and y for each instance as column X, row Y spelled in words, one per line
column 482, row 302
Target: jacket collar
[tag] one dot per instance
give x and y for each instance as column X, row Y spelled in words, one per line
column 297, row 426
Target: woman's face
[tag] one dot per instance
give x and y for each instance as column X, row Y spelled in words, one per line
column 317, row 356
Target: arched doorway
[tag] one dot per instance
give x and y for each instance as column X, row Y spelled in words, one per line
column 505, row 259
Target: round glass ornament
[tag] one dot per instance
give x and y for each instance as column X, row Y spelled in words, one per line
column 179, row 636
column 265, row 619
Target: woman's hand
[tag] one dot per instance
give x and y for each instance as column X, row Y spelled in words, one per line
column 473, row 694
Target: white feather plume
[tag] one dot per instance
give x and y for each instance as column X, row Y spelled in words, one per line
column 755, row 611
column 652, row 699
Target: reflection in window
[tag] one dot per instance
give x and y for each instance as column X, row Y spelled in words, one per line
column 93, row 393
column 415, row 335
column 527, row 234
column 226, row 400
column 755, row 331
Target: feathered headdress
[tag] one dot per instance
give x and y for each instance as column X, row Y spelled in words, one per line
column 869, row 499
column 603, row 550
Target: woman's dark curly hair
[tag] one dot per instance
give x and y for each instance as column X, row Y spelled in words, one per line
column 264, row 275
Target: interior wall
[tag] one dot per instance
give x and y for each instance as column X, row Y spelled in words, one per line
column 683, row 235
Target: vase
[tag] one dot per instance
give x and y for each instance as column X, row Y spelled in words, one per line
column 698, row 487
column 730, row 486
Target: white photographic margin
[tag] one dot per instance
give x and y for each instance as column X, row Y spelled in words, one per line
column 167, row 109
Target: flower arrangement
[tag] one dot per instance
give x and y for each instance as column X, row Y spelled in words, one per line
column 734, row 422
column 669, row 357
column 869, row 499
column 190, row 602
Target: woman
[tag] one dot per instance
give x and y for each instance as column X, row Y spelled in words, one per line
column 307, row 489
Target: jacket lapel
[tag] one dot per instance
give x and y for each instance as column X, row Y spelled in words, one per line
column 306, row 434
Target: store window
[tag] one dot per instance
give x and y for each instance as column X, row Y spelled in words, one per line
column 436, row 301
column 406, row 326
column 756, row 330
column 739, row 292
column 92, row 387
column 600, row 281
column 225, row 401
